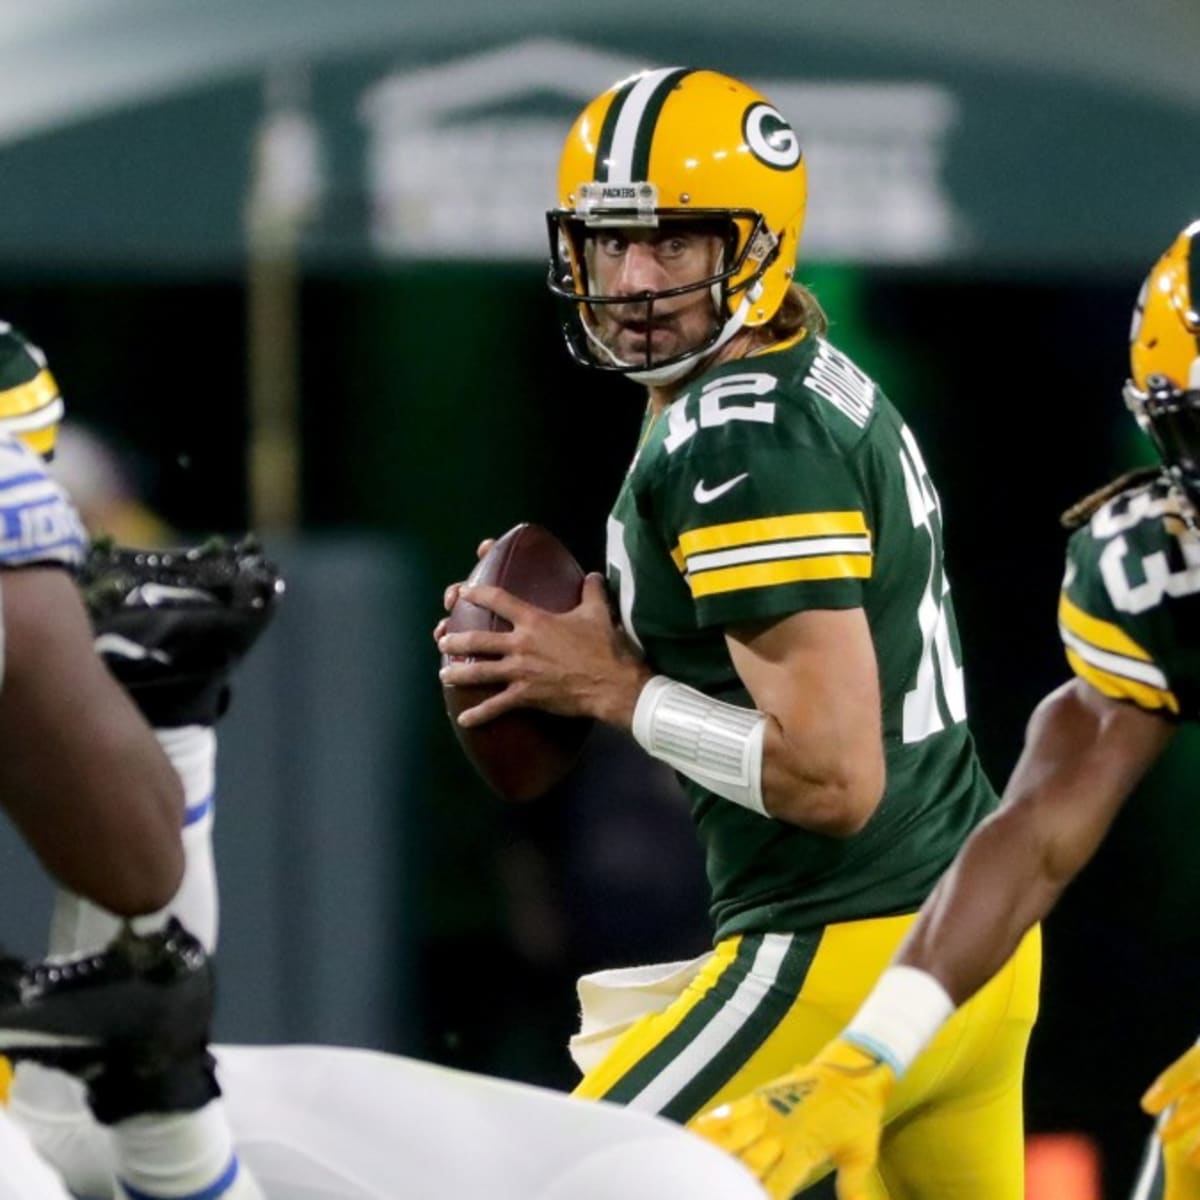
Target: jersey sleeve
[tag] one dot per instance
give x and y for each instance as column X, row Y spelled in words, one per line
column 1121, row 657
column 771, row 530
column 38, row 525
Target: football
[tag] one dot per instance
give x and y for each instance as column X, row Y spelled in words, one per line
column 524, row 753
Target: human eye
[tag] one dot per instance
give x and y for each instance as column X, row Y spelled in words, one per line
column 674, row 245
column 612, row 245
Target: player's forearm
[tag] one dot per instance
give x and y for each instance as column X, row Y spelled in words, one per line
column 1002, row 883
column 819, row 779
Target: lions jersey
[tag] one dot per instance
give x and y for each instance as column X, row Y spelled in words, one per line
column 1129, row 613
column 776, row 484
column 38, row 525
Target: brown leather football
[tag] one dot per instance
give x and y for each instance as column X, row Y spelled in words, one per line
column 524, row 753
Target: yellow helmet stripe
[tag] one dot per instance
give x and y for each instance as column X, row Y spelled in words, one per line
column 1118, row 687
column 767, row 529
column 623, row 149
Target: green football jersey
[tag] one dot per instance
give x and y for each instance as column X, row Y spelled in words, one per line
column 1129, row 614
column 776, row 484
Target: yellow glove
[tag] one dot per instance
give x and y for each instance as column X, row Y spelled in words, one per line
column 1179, row 1085
column 830, row 1111
column 5, row 1079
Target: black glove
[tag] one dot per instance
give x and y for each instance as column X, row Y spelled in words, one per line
column 172, row 624
column 131, row 1021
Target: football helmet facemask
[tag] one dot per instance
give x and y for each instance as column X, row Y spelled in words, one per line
column 677, row 145
column 30, row 407
column 1163, row 391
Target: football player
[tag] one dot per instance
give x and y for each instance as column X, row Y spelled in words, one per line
column 786, row 639
column 85, row 781
column 1129, row 617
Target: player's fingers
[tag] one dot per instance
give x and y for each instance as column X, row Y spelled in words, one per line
column 450, row 595
column 761, row 1158
column 595, row 590
column 489, row 709
column 787, row 1172
column 1179, row 1075
column 853, row 1179
column 439, row 631
column 494, row 599
column 469, row 643
column 481, row 551
column 476, row 673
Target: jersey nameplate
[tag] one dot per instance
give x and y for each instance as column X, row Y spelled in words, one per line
column 834, row 377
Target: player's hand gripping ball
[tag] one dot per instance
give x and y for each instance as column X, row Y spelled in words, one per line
column 521, row 754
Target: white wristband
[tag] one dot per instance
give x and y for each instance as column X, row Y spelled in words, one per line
column 900, row 1016
column 718, row 745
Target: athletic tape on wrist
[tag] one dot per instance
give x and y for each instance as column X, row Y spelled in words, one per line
column 900, row 1016
column 718, row 745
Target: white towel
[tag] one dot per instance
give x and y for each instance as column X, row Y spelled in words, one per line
column 611, row 1001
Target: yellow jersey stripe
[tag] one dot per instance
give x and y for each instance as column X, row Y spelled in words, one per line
column 1144, row 695
column 767, row 529
column 792, row 570
column 1102, row 634
column 644, row 1034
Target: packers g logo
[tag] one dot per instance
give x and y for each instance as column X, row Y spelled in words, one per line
column 770, row 138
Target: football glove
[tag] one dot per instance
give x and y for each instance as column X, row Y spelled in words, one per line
column 131, row 1021
column 1178, row 1088
column 827, row 1112
column 172, row 624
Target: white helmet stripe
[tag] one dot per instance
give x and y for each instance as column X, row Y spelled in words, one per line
column 629, row 122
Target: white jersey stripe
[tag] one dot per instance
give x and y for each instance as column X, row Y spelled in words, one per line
column 1115, row 664
column 719, row 1031
column 772, row 551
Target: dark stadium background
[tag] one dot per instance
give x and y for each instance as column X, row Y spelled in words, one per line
column 438, row 406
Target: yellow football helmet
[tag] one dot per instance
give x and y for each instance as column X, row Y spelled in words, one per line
column 681, row 145
column 30, row 407
column 1163, row 391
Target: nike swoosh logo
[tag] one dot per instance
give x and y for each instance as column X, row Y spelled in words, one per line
column 703, row 495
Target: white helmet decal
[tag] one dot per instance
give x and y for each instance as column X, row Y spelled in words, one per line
column 770, row 138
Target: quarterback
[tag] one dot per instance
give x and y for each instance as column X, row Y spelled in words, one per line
column 786, row 638
column 1129, row 617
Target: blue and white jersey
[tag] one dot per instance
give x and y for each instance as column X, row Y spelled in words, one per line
column 38, row 524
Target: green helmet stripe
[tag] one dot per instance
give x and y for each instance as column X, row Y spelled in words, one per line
column 623, row 150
